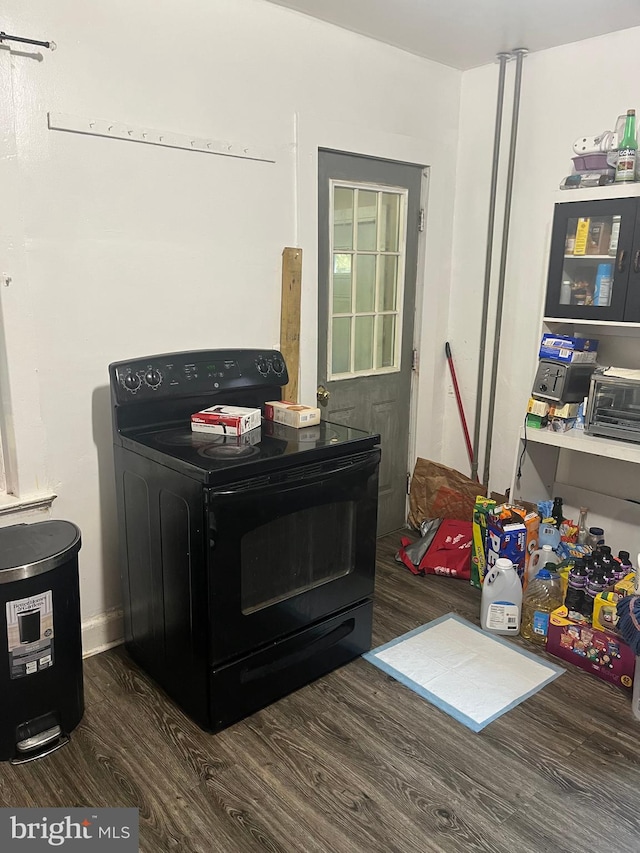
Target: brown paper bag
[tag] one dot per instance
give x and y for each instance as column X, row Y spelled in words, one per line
column 441, row 492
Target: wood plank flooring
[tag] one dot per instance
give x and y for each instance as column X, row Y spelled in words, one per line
column 354, row 762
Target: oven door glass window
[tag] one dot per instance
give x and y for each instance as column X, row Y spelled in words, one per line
column 296, row 563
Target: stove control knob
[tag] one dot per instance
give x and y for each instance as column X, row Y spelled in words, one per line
column 131, row 382
column 278, row 365
column 263, row 365
column 153, row 378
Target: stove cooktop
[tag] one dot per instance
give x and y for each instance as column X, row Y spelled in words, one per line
column 214, row 457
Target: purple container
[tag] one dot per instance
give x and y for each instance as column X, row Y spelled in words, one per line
column 591, row 162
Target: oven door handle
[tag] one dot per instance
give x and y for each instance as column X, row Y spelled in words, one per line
column 370, row 461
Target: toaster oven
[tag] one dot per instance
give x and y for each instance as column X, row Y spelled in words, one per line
column 613, row 407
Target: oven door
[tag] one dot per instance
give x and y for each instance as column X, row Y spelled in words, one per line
column 289, row 548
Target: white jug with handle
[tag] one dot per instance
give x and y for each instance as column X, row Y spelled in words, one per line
column 501, row 604
column 539, row 559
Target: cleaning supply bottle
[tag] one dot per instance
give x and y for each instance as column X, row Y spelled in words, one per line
column 548, row 534
column 501, row 602
column 543, row 595
column 539, row 559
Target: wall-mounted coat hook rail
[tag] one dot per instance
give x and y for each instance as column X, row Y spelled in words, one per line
column 166, row 139
column 50, row 45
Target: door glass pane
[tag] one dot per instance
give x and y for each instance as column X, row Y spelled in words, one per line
column 364, row 343
column 386, row 343
column 365, row 283
column 342, row 284
column 341, row 345
column 342, row 218
column 591, row 245
column 366, row 279
column 367, row 220
column 388, row 282
column 304, row 562
column 389, row 222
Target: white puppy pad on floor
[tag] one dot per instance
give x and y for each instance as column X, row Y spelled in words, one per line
column 473, row 676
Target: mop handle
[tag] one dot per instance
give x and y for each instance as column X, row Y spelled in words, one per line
column 467, row 439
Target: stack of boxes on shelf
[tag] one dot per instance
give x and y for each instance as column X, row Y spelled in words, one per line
column 561, row 383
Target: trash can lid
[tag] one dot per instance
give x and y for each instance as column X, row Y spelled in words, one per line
column 31, row 549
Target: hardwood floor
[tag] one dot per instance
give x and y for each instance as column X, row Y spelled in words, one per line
column 355, row 761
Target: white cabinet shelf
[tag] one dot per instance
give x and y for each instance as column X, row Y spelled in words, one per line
column 590, row 258
column 578, row 440
column 609, row 327
column 631, row 190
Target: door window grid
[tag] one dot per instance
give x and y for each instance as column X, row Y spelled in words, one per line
column 367, row 252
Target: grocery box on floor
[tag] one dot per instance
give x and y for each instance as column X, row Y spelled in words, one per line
column 507, row 538
column 598, row 652
column 481, row 512
column 291, row 414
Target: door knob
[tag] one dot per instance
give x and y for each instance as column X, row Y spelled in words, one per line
column 322, row 395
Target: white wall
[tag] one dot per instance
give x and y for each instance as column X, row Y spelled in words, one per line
column 118, row 249
column 567, row 92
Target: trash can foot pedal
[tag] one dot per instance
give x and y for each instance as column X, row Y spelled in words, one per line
column 40, row 745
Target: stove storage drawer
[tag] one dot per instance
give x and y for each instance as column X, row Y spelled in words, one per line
column 254, row 681
column 288, row 549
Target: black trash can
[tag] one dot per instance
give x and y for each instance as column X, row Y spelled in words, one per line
column 41, row 670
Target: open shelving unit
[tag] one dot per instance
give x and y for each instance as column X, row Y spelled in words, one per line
column 587, row 470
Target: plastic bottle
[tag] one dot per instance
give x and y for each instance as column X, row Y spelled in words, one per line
column 539, row 559
column 596, row 537
column 624, row 565
column 548, row 533
column 543, row 595
column 635, row 696
column 576, row 585
column 595, row 584
column 609, row 565
column 501, row 603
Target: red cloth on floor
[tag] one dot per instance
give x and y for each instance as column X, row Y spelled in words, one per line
column 449, row 554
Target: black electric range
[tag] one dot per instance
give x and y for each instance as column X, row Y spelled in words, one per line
column 247, row 562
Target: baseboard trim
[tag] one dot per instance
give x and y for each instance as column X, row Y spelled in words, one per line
column 102, row 632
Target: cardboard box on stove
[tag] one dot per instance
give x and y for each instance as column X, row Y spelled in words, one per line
column 599, row 652
column 291, row 414
column 226, row 420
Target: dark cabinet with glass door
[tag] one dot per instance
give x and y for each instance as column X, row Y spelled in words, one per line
column 594, row 265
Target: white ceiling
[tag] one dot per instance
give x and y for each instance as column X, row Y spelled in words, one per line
column 467, row 33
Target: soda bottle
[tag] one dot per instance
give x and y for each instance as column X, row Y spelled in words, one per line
column 624, row 565
column 595, row 584
column 576, row 584
column 609, row 565
column 556, row 512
